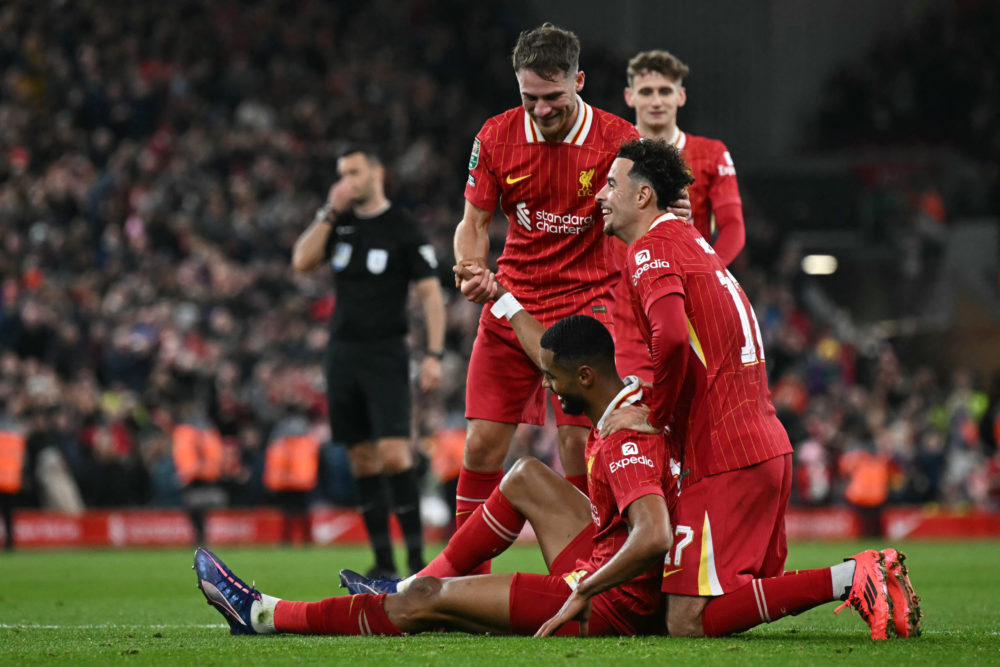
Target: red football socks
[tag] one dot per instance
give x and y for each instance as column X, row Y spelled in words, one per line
column 490, row 530
column 344, row 615
column 766, row 600
column 473, row 489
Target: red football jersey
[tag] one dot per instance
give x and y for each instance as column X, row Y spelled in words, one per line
column 554, row 258
column 620, row 469
column 724, row 415
column 714, row 185
column 714, row 178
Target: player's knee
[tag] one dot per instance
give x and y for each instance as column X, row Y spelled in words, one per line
column 417, row 604
column 363, row 461
column 521, row 474
column 397, row 460
column 684, row 624
column 483, row 453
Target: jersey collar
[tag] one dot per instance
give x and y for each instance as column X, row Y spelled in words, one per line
column 679, row 139
column 631, row 393
column 576, row 135
column 662, row 218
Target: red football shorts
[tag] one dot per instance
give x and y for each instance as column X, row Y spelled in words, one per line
column 535, row 598
column 504, row 385
column 729, row 528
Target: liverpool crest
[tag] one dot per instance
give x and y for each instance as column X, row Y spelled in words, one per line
column 586, row 183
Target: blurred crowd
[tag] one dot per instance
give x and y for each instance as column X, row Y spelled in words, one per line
column 161, row 158
column 933, row 86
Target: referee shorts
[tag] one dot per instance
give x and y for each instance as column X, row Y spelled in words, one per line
column 368, row 390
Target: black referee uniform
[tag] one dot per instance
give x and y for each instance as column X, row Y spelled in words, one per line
column 367, row 364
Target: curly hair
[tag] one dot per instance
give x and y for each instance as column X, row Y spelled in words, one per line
column 660, row 61
column 547, row 51
column 580, row 340
column 660, row 165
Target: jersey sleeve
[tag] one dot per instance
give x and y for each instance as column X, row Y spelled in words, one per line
column 634, row 465
column 723, row 188
column 481, row 188
column 421, row 257
column 653, row 271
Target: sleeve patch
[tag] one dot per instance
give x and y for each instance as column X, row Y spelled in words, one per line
column 474, row 158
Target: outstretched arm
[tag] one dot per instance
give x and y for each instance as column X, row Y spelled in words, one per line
column 472, row 247
column 648, row 542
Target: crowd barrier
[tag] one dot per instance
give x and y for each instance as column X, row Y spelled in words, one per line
column 168, row 528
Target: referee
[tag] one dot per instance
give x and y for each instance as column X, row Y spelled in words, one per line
column 375, row 250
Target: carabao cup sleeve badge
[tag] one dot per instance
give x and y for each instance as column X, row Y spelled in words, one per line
column 474, row 158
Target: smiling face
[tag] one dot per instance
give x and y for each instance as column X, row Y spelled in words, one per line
column 562, row 383
column 551, row 102
column 618, row 201
column 656, row 99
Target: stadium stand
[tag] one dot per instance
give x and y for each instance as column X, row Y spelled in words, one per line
column 161, row 158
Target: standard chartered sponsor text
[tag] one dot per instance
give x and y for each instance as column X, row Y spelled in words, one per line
column 566, row 223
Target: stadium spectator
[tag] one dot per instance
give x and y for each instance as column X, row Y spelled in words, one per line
column 198, row 459
column 376, row 251
column 13, row 456
column 291, row 472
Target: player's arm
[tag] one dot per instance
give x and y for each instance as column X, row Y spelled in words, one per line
column 472, row 247
column 527, row 329
column 649, row 539
column 429, row 293
column 731, row 232
column 669, row 351
column 310, row 248
column 727, row 207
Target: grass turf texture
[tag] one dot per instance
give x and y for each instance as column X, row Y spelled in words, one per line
column 142, row 607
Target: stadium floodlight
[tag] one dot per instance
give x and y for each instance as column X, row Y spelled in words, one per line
column 819, row 265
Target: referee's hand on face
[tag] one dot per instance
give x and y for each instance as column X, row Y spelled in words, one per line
column 339, row 197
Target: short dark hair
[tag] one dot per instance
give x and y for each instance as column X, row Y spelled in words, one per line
column 547, row 51
column 660, row 61
column 580, row 340
column 370, row 153
column 660, row 165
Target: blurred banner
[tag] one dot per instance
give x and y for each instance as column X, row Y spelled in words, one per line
column 163, row 528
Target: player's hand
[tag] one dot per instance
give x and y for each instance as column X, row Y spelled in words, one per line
column 575, row 608
column 340, row 196
column 430, row 373
column 631, row 417
column 477, row 283
column 681, row 207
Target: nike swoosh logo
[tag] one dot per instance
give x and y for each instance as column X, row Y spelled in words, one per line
column 670, row 572
column 512, row 181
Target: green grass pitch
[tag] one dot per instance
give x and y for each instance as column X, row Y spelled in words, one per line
column 142, row 607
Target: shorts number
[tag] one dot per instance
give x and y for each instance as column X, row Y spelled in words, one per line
column 679, row 545
column 753, row 349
